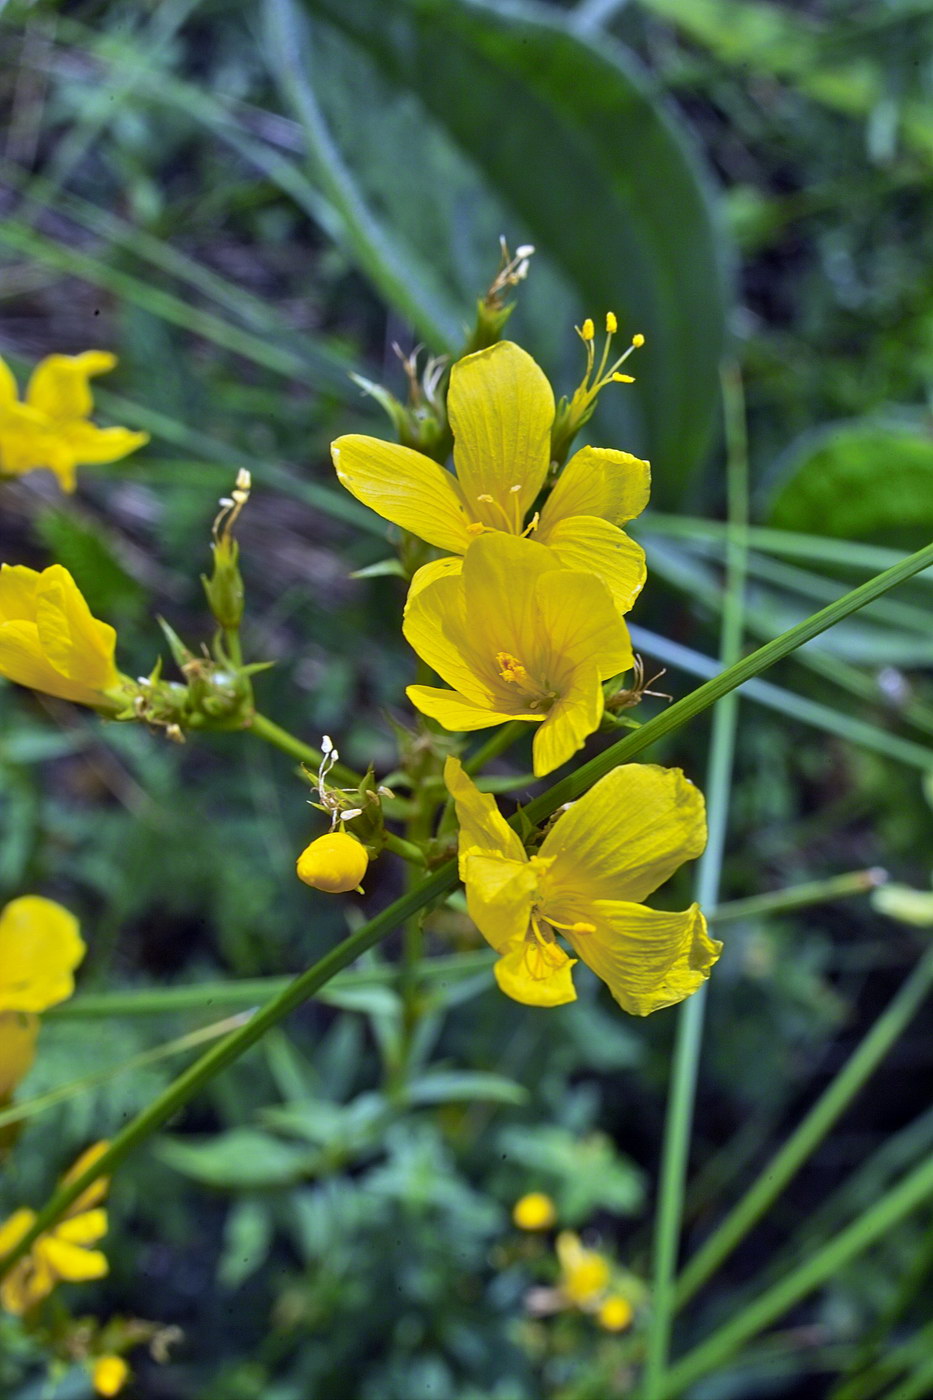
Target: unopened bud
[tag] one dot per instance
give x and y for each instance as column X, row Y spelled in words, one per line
column 336, row 863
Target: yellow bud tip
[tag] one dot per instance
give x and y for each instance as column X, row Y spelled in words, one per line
column 615, row 1313
column 589, row 330
column 623, row 378
column 336, row 863
column 638, row 340
column 534, row 1212
column 612, row 324
column 109, row 1375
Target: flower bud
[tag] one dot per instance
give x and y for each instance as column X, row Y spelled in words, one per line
column 336, row 863
column 110, row 1375
column 534, row 1212
column 224, row 588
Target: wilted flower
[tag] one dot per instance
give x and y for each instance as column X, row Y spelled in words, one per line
column 52, row 427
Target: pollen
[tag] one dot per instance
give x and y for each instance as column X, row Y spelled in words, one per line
column 510, row 668
column 612, row 324
column 589, row 330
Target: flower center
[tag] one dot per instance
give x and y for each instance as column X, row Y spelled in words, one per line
column 537, row 696
column 542, row 951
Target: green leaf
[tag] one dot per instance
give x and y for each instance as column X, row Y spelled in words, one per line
column 511, row 122
column 583, row 1174
column 247, row 1240
column 859, row 481
column 455, row 1086
column 242, row 1159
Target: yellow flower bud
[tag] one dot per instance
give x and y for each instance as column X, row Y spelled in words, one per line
column 534, row 1212
column 110, row 1375
column 336, row 863
column 615, row 1313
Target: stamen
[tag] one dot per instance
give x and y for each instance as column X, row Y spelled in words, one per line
column 579, row 927
column 588, row 330
column 511, row 669
column 476, row 527
column 612, row 324
column 638, row 340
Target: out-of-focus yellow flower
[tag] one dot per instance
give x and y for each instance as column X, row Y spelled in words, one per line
column 615, row 1313
column 336, row 863
column 50, row 641
column 534, row 1212
column 40, row 947
column 62, row 1253
column 518, row 637
column 109, row 1375
column 584, row 1274
column 501, row 411
column 602, row 857
column 52, row 427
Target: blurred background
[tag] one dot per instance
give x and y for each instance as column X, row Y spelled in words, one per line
column 246, row 202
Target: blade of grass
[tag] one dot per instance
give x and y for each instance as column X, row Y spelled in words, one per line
column 810, row 1132
column 436, row 886
column 786, row 702
column 684, row 1073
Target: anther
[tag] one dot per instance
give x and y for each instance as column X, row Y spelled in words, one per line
column 623, row 378
column 612, row 324
column 589, row 330
column 638, row 340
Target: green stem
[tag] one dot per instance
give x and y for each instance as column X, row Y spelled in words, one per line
column 445, row 878
column 408, row 850
column 28, row 1108
column 872, row 1225
column 810, row 1132
column 682, row 1095
column 798, row 896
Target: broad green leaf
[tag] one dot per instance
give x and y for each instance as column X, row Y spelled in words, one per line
column 456, row 1086
column 241, row 1159
column 481, row 120
column 247, row 1240
column 859, row 481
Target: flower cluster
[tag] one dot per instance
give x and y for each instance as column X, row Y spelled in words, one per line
column 51, row 427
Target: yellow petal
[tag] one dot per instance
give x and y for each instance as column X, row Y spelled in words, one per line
column 87, row 1227
column 570, row 722
column 500, row 894
column 76, row 643
column 22, row 661
column 648, row 958
column 405, row 487
column 583, row 542
column 69, row 1261
column 458, row 712
column 435, row 628
column 40, row 946
column 448, row 567
column 598, row 481
column 501, row 609
column 98, row 1188
column 59, row 384
column 501, row 409
column 9, row 393
column 109, row 1375
column 18, row 1032
column 482, row 826
column 19, row 587
column 584, row 1273
column 90, row 445
column 14, row 1228
column 626, row 836
column 534, row 977
column 581, row 624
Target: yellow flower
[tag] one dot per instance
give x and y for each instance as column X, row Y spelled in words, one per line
column 52, row 428
column 534, row 1212
column 336, row 863
column 584, row 1274
column 61, row 1253
column 501, row 412
column 601, row 858
column 50, row 641
column 109, row 1375
column 518, row 637
column 615, row 1313
column 40, row 947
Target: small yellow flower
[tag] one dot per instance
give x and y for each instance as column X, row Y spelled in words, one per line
column 61, row 1253
column 50, row 641
column 40, row 947
column 584, row 1274
column 501, row 410
column 517, row 636
column 534, row 1212
column 52, row 427
column 109, row 1375
column 602, row 857
column 336, row 863
column 615, row 1313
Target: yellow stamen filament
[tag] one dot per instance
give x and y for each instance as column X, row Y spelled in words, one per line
column 578, row 927
column 513, row 518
